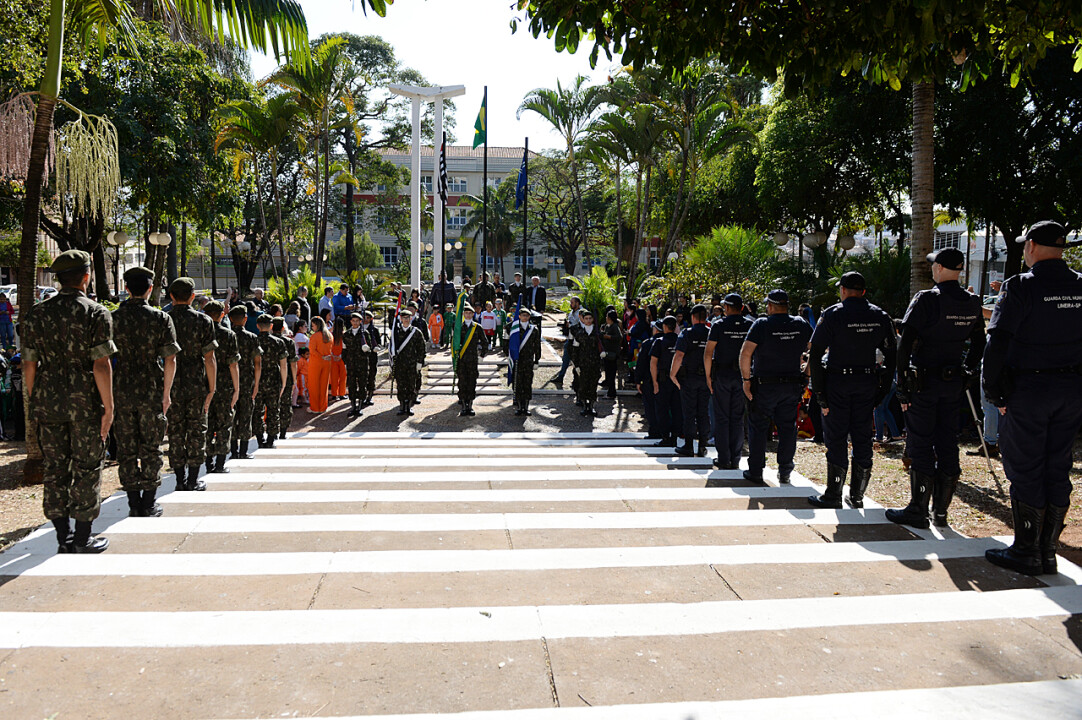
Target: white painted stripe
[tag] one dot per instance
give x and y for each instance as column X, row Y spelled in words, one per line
column 694, row 475
column 458, row 434
column 479, row 448
column 1049, row 700
column 539, row 495
column 260, row 463
column 553, row 442
column 420, row 522
column 509, row 624
column 448, row 561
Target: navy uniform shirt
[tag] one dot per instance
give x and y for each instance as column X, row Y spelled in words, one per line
column 729, row 333
column 692, row 342
column 937, row 325
column 642, row 365
column 664, row 349
column 780, row 343
column 1042, row 312
column 853, row 330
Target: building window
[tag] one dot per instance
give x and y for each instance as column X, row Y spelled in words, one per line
column 457, row 218
column 457, row 185
column 529, row 258
column 381, row 188
column 390, row 255
column 426, row 183
column 655, row 258
column 947, row 240
column 494, row 181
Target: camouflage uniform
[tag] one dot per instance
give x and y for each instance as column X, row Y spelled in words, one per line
column 220, row 417
column 356, row 360
column 285, row 404
column 248, row 349
column 65, row 335
column 468, row 360
column 406, row 360
column 525, row 366
column 265, row 416
column 372, row 358
column 187, row 421
column 587, row 358
column 143, row 335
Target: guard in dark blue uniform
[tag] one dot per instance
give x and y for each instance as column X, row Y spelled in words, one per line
column 1033, row 374
column 934, row 369
column 722, row 360
column 670, row 419
column 645, row 383
column 849, row 385
column 770, row 360
column 688, row 372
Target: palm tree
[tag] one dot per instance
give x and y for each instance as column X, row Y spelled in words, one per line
column 252, row 132
column 316, row 84
column 502, row 220
column 569, row 111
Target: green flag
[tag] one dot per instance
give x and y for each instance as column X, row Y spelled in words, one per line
column 480, row 127
column 456, row 334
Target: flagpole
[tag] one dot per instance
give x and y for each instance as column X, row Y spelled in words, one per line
column 525, row 201
column 484, row 184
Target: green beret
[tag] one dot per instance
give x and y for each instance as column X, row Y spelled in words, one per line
column 278, row 322
column 214, row 307
column 264, row 319
column 138, row 272
column 182, row 286
column 238, row 311
column 70, row 260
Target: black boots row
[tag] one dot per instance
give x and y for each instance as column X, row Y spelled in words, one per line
column 142, row 504
column 939, row 488
column 78, row 541
column 467, row 408
column 1036, row 537
column 832, row 498
column 188, row 479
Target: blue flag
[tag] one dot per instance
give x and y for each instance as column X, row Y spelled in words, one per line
column 520, row 189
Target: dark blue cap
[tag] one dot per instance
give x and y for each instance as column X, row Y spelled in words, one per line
column 734, row 300
column 778, row 297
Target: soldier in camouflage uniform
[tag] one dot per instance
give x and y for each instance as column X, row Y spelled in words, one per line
column 193, row 389
column 285, row 405
column 66, row 344
column 373, row 340
column 272, row 380
column 407, row 353
column 144, row 335
column 586, row 346
column 220, row 417
column 249, row 367
column 529, row 342
column 472, row 344
column 355, row 351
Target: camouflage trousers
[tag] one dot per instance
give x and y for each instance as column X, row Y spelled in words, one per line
column 523, row 381
column 187, row 432
column 220, row 423
column 588, row 377
column 285, row 406
column 406, row 377
column 357, row 379
column 265, row 414
column 467, row 381
column 242, row 416
column 370, row 377
column 72, row 458
column 139, row 431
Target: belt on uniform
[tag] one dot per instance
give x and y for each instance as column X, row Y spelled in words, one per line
column 1069, row 370
column 946, row 372
column 779, row 379
column 851, row 371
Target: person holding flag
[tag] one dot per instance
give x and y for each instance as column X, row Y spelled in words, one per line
column 466, row 350
column 529, row 344
column 407, row 355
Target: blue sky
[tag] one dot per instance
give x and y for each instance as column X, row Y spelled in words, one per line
column 463, row 42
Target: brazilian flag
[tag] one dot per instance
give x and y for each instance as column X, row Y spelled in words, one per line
column 456, row 336
column 480, row 126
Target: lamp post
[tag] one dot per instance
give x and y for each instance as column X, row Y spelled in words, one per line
column 117, row 239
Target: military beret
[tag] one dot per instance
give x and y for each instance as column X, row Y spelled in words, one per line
column 1048, row 233
column 357, row 315
column 278, row 322
column 138, row 272
column 264, row 319
column 214, row 307
column 734, row 300
column 950, row 258
column 778, row 297
column 852, row 281
column 238, row 311
column 70, row 260
column 182, row 285
column 466, row 307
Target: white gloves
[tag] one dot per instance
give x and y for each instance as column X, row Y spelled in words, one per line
column 604, row 355
column 419, row 366
column 576, row 343
column 366, row 348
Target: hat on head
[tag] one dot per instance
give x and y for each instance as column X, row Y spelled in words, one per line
column 356, row 315
column 138, row 272
column 1048, row 233
column 368, row 314
column 182, row 285
column 777, row 297
column 950, row 258
column 698, row 309
column 466, row 307
column 669, row 321
column 733, row 300
column 278, row 322
column 412, row 303
column 658, row 325
column 264, row 319
column 238, row 311
column 70, row 260
column 214, row 307
column 406, row 311
column 852, row 281
column 525, row 310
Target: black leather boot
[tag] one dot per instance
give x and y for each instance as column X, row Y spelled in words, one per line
column 241, row 453
column 63, row 535
column 150, row 508
column 270, row 442
column 259, row 441
column 832, row 498
column 687, row 449
column 526, row 408
column 209, row 464
column 219, row 465
column 518, row 410
column 701, row 452
column 590, row 411
column 401, row 408
column 180, row 473
column 1024, row 555
column 282, row 433
column 135, row 504
column 469, row 409
column 942, row 494
column 85, row 543
column 915, row 514
column 785, row 475
column 667, row 441
column 754, row 476
column 194, row 483
column 1053, row 525
column 858, row 485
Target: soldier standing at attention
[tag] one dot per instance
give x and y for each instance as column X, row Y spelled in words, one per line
column 645, row 383
column 586, row 344
column 848, row 386
column 722, row 361
column 193, row 390
column 66, row 344
column 249, row 368
column 485, row 292
column 773, row 383
column 354, row 355
column 407, row 352
column 141, row 387
column 285, row 406
column 1033, row 375
column 371, row 355
column 529, row 337
column 227, row 392
column 692, row 385
column 670, row 420
column 265, row 418
column 472, row 345
column 934, row 333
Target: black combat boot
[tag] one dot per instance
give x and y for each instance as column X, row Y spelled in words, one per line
column 687, row 449
column 150, row 508
column 180, row 473
column 270, row 442
column 283, row 431
column 832, row 498
column 219, row 465
column 85, row 543
column 526, row 408
column 1024, row 555
column 1053, row 526
column 915, row 514
column 518, row 410
column 353, row 411
column 469, row 409
column 209, row 464
column 753, row 476
column 785, row 475
column 63, row 535
column 402, row 408
column 194, row 483
column 259, row 440
column 465, row 411
column 667, row 441
column 703, row 445
column 858, row 484
column 241, row 453
column 135, row 504
column 942, row 494
column 233, row 448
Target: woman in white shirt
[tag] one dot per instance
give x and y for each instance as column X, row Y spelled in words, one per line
column 300, row 335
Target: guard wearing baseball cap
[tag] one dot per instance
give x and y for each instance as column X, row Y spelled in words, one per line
column 722, row 362
column 773, row 383
column 670, row 419
column 850, row 384
column 645, row 384
column 934, row 369
column 688, row 372
column 1033, row 374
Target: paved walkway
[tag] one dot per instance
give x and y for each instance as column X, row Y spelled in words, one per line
column 523, row 576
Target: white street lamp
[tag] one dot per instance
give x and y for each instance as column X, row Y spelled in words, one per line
column 672, row 256
column 458, row 245
column 847, row 242
column 781, row 239
column 447, row 247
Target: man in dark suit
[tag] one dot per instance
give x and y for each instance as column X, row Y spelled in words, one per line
column 534, row 298
column 514, row 290
column 443, row 293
